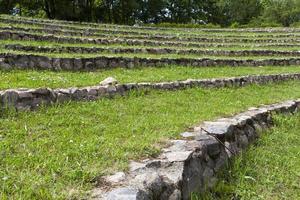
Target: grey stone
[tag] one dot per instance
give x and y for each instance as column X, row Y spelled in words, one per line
column 92, row 91
column 188, row 134
column 66, row 63
column 9, row 98
column 5, row 66
column 176, row 195
column 116, row 178
column 152, row 182
column 217, row 128
column 213, row 147
column 62, row 97
column 208, row 179
column 78, row 64
column 25, row 95
column 56, row 64
column 242, row 141
column 111, row 89
column 178, row 156
column 44, row 63
column 109, row 81
column 89, row 65
column 133, row 166
column 221, row 161
column 127, row 194
column 177, row 145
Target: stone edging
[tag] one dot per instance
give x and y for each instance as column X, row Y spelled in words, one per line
column 71, row 49
column 104, row 32
column 191, row 164
column 8, row 19
column 108, row 34
column 29, row 99
column 29, row 61
column 52, row 28
column 13, row 35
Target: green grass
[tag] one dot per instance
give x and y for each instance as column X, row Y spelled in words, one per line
column 34, row 79
column 269, row 170
column 59, row 152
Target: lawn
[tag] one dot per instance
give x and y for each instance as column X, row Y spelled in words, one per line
column 60, row 79
column 60, row 152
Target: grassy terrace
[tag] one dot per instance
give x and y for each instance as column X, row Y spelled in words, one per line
column 186, row 40
column 145, row 55
column 232, row 46
column 134, row 33
column 33, row 79
column 59, row 152
column 181, row 33
column 75, row 23
column 268, row 170
column 251, row 41
column 62, row 151
column 183, row 44
column 143, row 30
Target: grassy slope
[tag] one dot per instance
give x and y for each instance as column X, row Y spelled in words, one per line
column 270, row 170
column 177, row 31
column 237, row 46
column 145, row 55
column 58, row 152
column 33, row 79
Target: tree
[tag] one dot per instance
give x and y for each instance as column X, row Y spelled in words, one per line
column 239, row 11
column 7, row 5
column 283, row 12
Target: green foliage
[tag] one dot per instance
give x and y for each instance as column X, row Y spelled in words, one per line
column 295, row 24
column 235, row 25
column 240, row 11
column 177, row 25
column 284, row 12
column 260, row 22
column 222, row 12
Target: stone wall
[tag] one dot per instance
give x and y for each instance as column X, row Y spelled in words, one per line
column 86, row 50
column 123, row 29
column 191, row 164
column 6, row 19
column 107, row 34
column 13, row 35
column 63, row 23
column 29, row 99
column 28, row 61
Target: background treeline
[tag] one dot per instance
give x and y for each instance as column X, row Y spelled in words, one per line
column 223, row 13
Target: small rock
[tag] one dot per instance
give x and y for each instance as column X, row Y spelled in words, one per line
column 4, row 66
column 188, row 134
column 178, row 156
column 116, row 178
column 126, row 194
column 133, row 166
column 109, row 81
